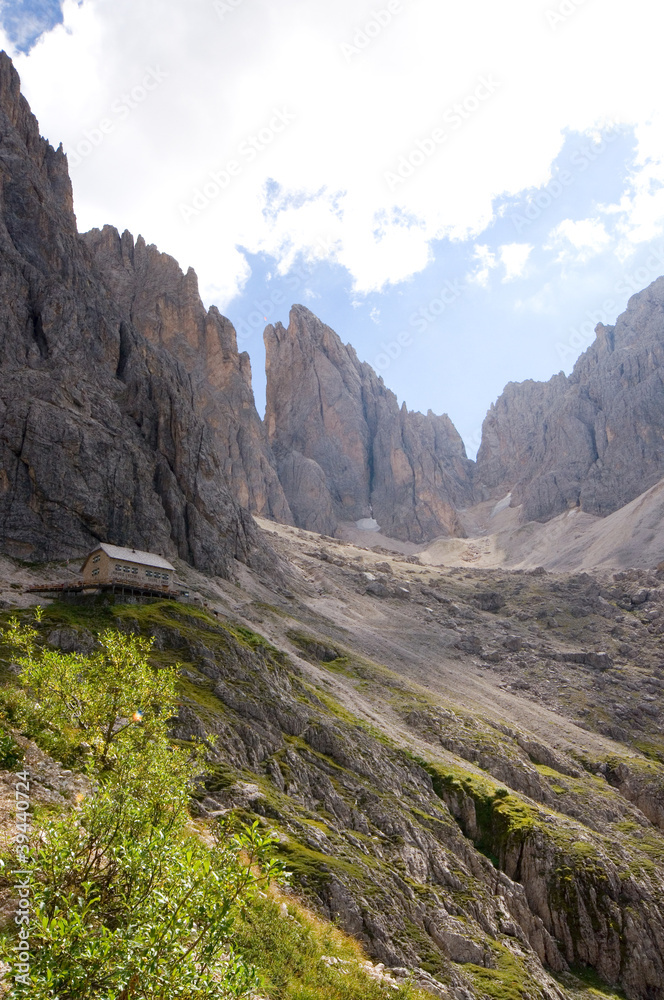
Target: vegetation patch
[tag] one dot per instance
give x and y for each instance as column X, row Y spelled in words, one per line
column 317, row 650
column 312, row 868
column 653, row 747
column 333, row 706
column 301, row 957
column 585, row 984
column 11, row 753
column 255, row 641
column 502, row 818
column 129, row 903
column 510, row 979
column 202, row 697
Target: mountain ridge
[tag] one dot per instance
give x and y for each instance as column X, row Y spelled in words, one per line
column 377, row 460
column 335, row 446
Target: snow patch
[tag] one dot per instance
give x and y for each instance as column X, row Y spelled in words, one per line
column 367, row 524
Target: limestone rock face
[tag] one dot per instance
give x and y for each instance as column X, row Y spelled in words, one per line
column 315, row 408
column 101, row 435
column 373, row 458
column 594, row 440
column 310, row 501
column 165, row 307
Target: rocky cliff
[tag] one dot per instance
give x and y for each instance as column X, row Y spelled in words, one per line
column 102, row 435
column 594, row 440
column 346, row 450
column 165, row 307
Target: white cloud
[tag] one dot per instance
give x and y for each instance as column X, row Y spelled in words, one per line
column 352, row 122
column 579, row 240
column 514, row 257
column 640, row 211
column 486, row 263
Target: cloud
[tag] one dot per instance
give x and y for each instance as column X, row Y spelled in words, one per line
column 487, row 262
column 579, row 240
column 321, row 181
column 514, row 257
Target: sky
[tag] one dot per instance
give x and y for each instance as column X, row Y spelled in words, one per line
column 461, row 190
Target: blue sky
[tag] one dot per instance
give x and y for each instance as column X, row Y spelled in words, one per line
column 460, row 191
column 25, row 21
column 489, row 330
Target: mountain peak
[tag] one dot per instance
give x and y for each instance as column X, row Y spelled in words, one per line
column 368, row 458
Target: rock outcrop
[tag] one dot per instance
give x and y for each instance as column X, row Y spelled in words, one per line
column 344, row 447
column 101, row 433
column 593, row 440
column 166, row 308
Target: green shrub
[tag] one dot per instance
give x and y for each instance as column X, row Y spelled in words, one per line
column 127, row 901
column 11, row 753
column 101, row 701
column 294, row 949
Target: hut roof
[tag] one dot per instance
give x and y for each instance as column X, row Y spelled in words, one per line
column 131, row 555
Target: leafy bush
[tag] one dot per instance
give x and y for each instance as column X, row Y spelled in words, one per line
column 95, row 701
column 128, row 901
column 141, row 917
column 11, row 753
